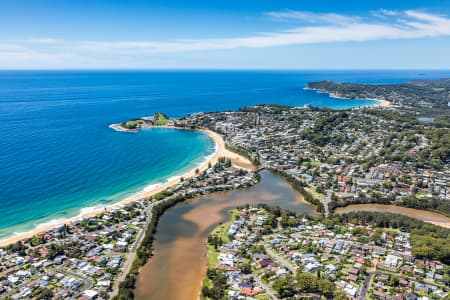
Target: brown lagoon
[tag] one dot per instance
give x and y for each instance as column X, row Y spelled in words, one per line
column 423, row 215
column 178, row 266
column 179, row 263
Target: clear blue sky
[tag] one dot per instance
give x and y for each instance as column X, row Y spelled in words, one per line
column 242, row 34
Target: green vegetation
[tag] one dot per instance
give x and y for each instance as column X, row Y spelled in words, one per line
column 302, row 188
column 320, row 134
column 435, row 156
column 218, row 284
column 134, row 124
column 160, row 119
column 402, row 118
column 144, row 252
column 43, row 293
column 417, row 93
column 307, row 283
column 427, row 240
column 276, row 108
column 217, row 238
column 250, row 155
column 442, row 121
column 263, row 297
column 431, row 204
column 315, row 194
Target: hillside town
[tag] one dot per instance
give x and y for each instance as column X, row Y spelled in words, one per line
column 266, row 253
column 343, row 157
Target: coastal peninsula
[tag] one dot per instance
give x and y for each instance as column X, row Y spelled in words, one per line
column 133, row 125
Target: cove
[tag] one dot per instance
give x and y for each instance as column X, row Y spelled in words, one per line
column 179, row 263
column 112, row 167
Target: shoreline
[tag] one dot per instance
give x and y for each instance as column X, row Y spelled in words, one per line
column 381, row 102
column 204, row 213
column 431, row 217
column 220, row 151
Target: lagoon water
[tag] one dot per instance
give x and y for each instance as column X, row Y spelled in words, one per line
column 58, row 156
column 179, row 263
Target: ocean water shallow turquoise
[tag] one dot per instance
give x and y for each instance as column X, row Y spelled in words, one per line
column 58, row 156
column 105, row 170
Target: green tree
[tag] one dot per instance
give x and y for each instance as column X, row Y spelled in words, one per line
column 283, row 286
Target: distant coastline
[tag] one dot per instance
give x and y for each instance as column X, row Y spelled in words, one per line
column 219, row 151
column 382, row 102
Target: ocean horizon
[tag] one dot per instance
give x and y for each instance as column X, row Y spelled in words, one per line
column 59, row 159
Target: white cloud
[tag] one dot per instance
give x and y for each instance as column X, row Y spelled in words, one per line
column 384, row 13
column 293, row 15
column 322, row 28
column 388, row 12
column 11, row 48
column 42, row 40
column 412, row 25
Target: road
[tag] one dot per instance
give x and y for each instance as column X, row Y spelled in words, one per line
column 281, row 261
column 365, row 286
column 129, row 257
column 87, row 280
column 327, row 199
column 267, row 290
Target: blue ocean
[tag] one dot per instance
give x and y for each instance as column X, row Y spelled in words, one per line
column 58, row 157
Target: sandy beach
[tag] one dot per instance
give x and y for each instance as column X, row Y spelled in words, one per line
column 237, row 160
column 381, row 102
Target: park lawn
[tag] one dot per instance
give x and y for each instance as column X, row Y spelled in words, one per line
column 131, row 226
column 213, row 256
column 222, row 232
column 330, row 262
column 162, row 123
column 315, row 194
column 257, row 271
column 263, row 297
column 161, row 119
column 315, row 163
column 422, row 195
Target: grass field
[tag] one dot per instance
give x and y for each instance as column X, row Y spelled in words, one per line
column 161, row 119
column 315, row 194
column 222, row 232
